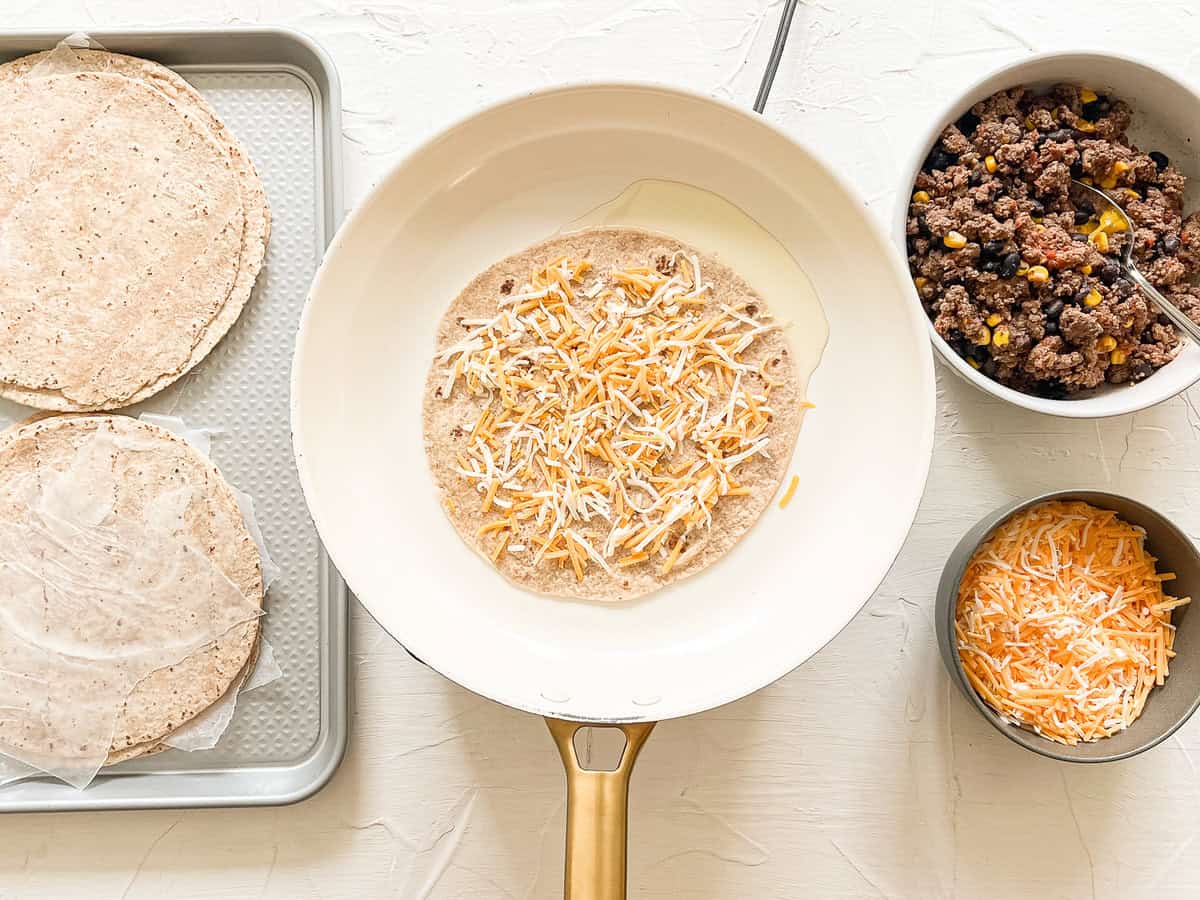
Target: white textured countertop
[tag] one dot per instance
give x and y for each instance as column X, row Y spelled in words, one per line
column 861, row 775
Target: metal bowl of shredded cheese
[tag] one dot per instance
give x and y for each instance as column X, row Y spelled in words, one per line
column 1063, row 619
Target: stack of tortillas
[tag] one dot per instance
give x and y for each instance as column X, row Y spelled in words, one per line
column 132, row 229
column 132, row 589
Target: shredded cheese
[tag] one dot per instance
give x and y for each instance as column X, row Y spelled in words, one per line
column 626, row 405
column 790, row 492
column 1062, row 624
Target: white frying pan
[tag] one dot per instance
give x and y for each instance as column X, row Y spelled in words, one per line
column 505, row 178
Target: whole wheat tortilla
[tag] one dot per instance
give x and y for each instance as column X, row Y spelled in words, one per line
column 156, row 463
column 117, row 337
column 257, row 211
column 445, row 435
column 158, row 744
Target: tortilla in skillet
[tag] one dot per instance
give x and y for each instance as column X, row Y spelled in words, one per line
column 576, row 475
column 132, row 587
column 132, row 229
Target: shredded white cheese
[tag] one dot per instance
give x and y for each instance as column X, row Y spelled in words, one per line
column 594, row 391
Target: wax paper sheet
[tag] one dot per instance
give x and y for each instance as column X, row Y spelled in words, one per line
column 97, row 605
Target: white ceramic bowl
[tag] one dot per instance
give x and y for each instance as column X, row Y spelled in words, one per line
column 1166, row 117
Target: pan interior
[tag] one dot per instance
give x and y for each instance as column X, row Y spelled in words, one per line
column 508, row 178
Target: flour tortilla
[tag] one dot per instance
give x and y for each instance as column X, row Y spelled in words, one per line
column 257, row 211
column 158, row 349
column 158, row 745
column 157, row 463
column 448, row 423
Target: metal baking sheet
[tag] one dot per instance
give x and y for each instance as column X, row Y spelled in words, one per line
column 278, row 92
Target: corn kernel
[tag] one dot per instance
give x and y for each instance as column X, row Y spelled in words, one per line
column 1085, row 126
column 973, row 363
column 1087, row 179
column 1093, row 298
column 1086, row 269
column 1106, row 343
column 921, row 197
column 1117, row 357
column 1112, row 221
column 1029, row 122
column 1087, row 95
column 1118, row 169
column 990, row 163
column 985, row 337
column 995, row 319
column 954, row 240
column 1000, row 337
column 920, row 281
column 1038, row 274
column 1023, row 270
column 1131, row 194
column 1099, row 240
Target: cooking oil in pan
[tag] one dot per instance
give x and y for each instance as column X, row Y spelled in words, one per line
column 711, row 223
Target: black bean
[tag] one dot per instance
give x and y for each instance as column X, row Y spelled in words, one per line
column 967, row 123
column 979, row 354
column 1081, row 295
column 989, row 368
column 1054, row 390
column 1093, row 111
column 1076, row 169
column 1110, row 271
column 1161, row 160
column 992, row 248
column 939, row 159
column 1051, row 327
column 1037, row 210
column 1079, row 238
column 910, row 243
column 1085, row 206
column 1082, row 216
column 1170, row 243
column 1059, row 136
column 1012, row 262
column 1054, row 310
column 990, row 265
column 975, row 179
column 922, row 225
column 1163, row 320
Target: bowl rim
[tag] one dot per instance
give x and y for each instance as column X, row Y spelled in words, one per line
column 1113, row 404
column 947, row 601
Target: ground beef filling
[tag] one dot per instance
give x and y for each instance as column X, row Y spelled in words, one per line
column 1021, row 278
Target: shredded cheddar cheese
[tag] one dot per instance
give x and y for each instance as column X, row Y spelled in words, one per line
column 623, row 398
column 790, row 492
column 1062, row 624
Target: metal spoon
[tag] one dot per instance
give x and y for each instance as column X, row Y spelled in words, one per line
column 1130, row 270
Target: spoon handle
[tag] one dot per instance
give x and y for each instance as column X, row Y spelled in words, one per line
column 1169, row 309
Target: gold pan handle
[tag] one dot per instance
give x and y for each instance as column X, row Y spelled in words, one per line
column 597, row 814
